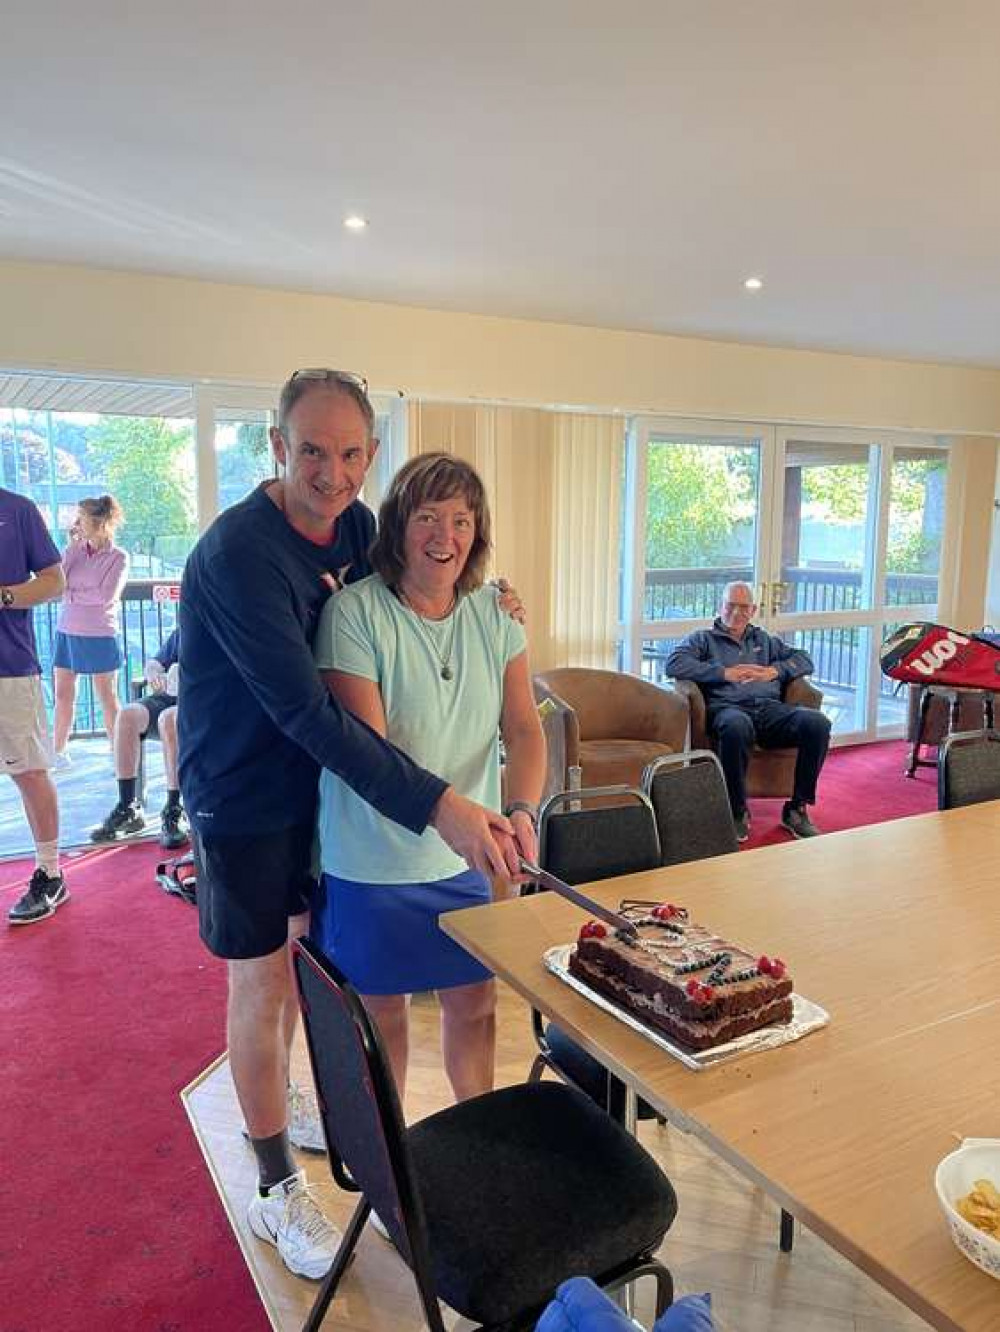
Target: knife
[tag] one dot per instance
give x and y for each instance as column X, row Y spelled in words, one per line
column 612, row 918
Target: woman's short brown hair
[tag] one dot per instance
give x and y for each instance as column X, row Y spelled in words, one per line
column 103, row 509
column 427, row 478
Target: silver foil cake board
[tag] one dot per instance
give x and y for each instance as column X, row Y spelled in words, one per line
column 806, row 1017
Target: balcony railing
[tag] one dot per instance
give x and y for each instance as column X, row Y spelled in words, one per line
column 148, row 615
column 675, row 594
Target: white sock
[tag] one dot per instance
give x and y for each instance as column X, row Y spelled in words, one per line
column 47, row 857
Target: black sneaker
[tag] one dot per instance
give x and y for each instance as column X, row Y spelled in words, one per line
column 44, row 893
column 741, row 822
column 123, row 821
column 796, row 820
column 173, row 827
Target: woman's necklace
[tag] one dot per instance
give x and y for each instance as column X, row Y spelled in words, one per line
column 443, row 658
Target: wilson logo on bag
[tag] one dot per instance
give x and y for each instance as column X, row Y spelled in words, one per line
column 935, row 654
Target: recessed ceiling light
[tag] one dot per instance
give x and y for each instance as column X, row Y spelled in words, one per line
column 753, row 283
column 355, row 222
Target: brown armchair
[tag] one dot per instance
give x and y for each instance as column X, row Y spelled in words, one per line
column 771, row 772
column 604, row 727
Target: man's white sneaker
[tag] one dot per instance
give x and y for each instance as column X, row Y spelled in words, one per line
column 288, row 1217
column 305, row 1128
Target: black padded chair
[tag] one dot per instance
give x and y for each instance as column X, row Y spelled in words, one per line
column 695, row 822
column 693, row 817
column 969, row 769
column 581, row 841
column 492, row 1202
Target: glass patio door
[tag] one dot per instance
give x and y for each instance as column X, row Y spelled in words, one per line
column 694, row 522
column 855, row 536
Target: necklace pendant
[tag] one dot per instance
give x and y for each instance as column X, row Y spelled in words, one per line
column 446, row 673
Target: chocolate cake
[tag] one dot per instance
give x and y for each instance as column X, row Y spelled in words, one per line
column 678, row 976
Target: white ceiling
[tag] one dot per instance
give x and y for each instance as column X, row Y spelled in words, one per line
column 620, row 164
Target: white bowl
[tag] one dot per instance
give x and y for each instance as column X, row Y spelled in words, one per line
column 977, row 1158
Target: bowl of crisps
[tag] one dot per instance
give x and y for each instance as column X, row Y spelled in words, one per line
column 968, row 1189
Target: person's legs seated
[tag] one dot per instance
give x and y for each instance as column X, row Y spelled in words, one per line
column 252, row 896
column 733, row 733
column 127, row 816
column 468, row 1037
column 808, row 731
column 173, row 820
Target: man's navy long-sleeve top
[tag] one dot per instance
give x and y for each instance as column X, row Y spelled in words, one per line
column 256, row 722
column 704, row 656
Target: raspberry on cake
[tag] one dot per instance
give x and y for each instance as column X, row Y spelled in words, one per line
column 681, row 978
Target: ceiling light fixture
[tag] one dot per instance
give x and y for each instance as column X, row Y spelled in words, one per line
column 753, row 283
column 355, row 222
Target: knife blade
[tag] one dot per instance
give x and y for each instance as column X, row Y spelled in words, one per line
column 612, row 918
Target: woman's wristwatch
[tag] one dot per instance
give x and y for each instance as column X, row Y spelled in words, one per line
column 6, row 597
column 522, row 807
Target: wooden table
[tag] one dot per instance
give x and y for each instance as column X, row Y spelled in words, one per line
column 895, row 930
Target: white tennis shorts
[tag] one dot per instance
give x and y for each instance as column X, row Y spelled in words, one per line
column 25, row 745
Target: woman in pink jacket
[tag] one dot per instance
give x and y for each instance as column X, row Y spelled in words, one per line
column 86, row 638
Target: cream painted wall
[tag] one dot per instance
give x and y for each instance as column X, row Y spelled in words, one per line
column 84, row 320
column 93, row 320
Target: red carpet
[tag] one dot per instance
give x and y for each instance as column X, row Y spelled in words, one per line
column 860, row 784
column 107, row 1010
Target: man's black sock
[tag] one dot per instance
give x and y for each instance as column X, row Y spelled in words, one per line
column 126, row 789
column 274, row 1159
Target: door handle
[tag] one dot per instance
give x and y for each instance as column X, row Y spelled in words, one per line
column 778, row 592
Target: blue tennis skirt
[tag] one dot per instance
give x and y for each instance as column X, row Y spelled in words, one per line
column 385, row 937
column 86, row 655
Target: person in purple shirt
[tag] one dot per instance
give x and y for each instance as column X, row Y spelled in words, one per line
column 86, row 640
column 30, row 574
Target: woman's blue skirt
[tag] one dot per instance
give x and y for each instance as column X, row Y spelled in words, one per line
column 86, row 655
column 385, row 938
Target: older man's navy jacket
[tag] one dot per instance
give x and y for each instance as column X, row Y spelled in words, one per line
column 704, row 655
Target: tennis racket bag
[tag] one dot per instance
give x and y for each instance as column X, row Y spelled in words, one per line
column 178, row 877
column 933, row 654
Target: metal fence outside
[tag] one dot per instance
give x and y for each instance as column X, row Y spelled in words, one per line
column 148, row 615
column 674, row 594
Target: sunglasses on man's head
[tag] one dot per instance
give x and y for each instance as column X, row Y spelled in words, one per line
column 320, row 375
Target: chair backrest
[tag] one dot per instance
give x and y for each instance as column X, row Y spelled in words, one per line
column 969, row 769
column 581, row 841
column 358, row 1103
column 612, row 705
column 689, row 799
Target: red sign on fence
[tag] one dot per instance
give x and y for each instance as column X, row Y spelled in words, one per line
column 166, row 592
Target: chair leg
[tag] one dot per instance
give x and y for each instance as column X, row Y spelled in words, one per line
column 432, row 1310
column 341, row 1259
column 537, row 1068
column 649, row 1267
column 787, row 1238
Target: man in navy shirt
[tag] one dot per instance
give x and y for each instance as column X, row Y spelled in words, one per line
column 256, row 725
column 742, row 669
column 30, row 573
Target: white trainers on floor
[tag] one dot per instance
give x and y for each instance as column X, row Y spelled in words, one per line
column 305, row 1128
column 288, row 1217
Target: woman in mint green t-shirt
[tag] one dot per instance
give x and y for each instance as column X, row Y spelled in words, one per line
column 422, row 652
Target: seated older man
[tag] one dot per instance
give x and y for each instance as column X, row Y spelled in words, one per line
column 742, row 669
